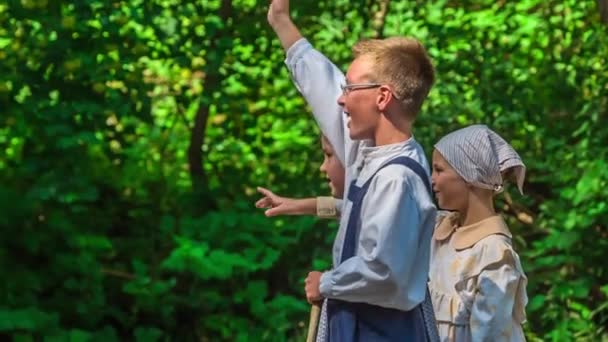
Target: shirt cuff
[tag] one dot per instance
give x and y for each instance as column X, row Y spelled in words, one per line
column 297, row 50
column 326, row 207
column 325, row 284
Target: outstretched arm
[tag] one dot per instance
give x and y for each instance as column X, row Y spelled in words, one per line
column 325, row 207
column 278, row 205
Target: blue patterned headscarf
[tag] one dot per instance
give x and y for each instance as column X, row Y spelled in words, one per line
column 481, row 157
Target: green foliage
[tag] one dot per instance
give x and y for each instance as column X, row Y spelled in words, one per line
column 133, row 135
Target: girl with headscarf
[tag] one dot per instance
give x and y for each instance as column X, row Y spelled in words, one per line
column 477, row 283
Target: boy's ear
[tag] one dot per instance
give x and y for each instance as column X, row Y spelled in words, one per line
column 384, row 97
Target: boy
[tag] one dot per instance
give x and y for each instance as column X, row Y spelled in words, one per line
column 381, row 251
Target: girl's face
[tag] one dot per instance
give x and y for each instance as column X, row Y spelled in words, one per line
column 451, row 190
column 333, row 169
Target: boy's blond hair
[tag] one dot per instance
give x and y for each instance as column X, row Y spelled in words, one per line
column 402, row 63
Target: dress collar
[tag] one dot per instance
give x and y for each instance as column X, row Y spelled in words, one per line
column 467, row 236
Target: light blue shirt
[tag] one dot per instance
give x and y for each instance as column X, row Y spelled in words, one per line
column 391, row 265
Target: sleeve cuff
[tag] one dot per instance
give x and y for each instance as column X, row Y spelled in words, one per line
column 296, row 51
column 325, row 284
column 326, row 207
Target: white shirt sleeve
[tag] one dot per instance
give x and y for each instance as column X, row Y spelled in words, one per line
column 492, row 309
column 319, row 80
column 389, row 239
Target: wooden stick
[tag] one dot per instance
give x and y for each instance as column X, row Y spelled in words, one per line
column 315, row 312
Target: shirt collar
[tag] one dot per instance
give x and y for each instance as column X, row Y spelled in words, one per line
column 368, row 150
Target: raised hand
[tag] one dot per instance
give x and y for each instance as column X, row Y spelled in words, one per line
column 278, row 11
column 280, row 21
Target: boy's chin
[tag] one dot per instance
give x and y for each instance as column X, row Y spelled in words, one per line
column 355, row 135
column 360, row 135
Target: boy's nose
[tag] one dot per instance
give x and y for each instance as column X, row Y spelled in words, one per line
column 341, row 100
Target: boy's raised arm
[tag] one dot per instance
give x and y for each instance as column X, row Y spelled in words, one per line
column 317, row 79
column 280, row 21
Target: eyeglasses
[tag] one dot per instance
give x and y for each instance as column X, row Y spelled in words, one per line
column 347, row 88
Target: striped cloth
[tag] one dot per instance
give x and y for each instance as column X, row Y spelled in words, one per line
column 322, row 328
column 480, row 156
column 428, row 314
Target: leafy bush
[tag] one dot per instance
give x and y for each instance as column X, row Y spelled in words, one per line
column 134, row 135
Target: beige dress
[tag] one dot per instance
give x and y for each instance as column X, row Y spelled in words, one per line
column 477, row 284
